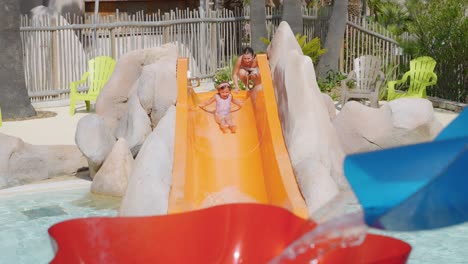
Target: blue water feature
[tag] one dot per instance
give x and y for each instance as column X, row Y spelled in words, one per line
column 414, row 187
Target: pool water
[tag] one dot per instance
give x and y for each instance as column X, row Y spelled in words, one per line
column 25, row 219
column 445, row 245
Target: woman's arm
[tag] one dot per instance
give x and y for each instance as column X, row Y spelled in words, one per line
column 256, row 73
column 235, row 74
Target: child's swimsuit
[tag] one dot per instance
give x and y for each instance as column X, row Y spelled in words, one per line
column 223, row 106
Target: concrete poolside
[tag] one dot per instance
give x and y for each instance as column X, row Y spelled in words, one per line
column 57, row 130
column 445, row 116
column 60, row 129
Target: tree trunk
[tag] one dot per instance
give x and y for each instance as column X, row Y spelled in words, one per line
column 231, row 4
column 27, row 5
column 364, row 8
column 292, row 13
column 258, row 25
column 334, row 41
column 14, row 99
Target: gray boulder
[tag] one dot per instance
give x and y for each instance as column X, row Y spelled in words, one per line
column 399, row 122
column 149, row 184
column 135, row 125
column 112, row 102
column 312, row 143
column 95, row 140
column 22, row 163
column 113, row 176
column 330, row 106
column 140, row 90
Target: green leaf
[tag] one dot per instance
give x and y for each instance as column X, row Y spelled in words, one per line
column 265, row 40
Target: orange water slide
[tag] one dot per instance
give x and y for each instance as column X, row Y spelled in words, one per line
column 212, row 168
column 252, row 165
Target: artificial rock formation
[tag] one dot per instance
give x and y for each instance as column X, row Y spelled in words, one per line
column 113, row 176
column 134, row 72
column 330, row 106
column 141, row 89
column 135, row 125
column 22, row 163
column 399, row 122
column 317, row 138
column 95, row 140
column 312, row 143
column 149, row 183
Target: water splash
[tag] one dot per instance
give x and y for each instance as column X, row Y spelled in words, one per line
column 345, row 231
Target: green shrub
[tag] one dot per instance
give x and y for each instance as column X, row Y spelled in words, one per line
column 390, row 75
column 310, row 48
column 437, row 28
column 440, row 30
column 332, row 80
column 225, row 74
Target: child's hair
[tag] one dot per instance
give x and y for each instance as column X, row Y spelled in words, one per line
column 223, row 85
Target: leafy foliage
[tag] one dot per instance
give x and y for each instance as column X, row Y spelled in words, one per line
column 331, row 81
column 225, row 74
column 390, row 74
column 440, row 30
column 390, row 14
column 310, row 48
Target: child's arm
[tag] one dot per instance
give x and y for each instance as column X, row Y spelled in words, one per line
column 237, row 102
column 207, row 102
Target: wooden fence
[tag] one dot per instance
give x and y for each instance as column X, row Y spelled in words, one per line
column 56, row 49
column 363, row 37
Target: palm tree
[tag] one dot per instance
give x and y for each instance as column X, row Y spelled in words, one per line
column 394, row 17
column 374, row 7
column 364, row 7
column 14, row 99
column 231, row 4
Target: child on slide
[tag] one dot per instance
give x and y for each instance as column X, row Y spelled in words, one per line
column 222, row 112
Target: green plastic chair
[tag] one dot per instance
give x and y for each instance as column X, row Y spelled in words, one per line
column 421, row 75
column 99, row 71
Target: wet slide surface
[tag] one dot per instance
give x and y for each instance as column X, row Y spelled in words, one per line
column 223, row 163
column 251, row 165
